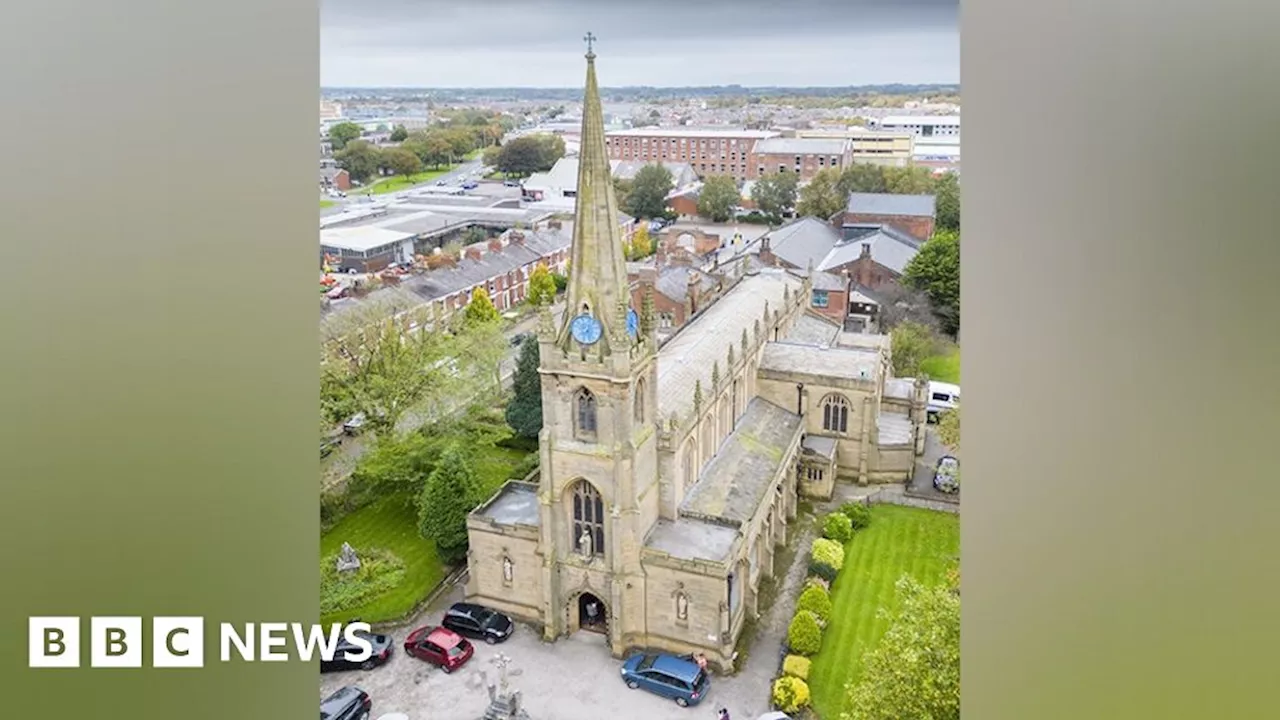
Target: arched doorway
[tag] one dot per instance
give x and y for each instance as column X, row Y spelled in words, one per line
column 591, row 614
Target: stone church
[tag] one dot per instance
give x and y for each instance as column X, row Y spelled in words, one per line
column 669, row 473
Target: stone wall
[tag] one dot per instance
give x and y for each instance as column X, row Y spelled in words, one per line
column 522, row 596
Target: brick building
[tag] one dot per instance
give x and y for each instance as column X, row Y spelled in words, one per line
column 804, row 156
column 710, row 151
column 914, row 214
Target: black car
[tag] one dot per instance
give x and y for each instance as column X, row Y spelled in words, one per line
column 348, row 703
column 381, row 653
column 479, row 622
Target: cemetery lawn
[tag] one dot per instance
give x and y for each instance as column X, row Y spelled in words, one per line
column 899, row 540
column 391, row 523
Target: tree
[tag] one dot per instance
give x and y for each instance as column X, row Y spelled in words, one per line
column 910, row 180
column 718, row 197
column 448, row 496
column 343, row 133
column 522, row 156
column 909, row 344
column 775, row 193
column 861, row 178
column 489, row 158
column 542, row 287
column 402, row 162
column 360, row 159
column 399, row 134
column 648, row 196
column 821, row 198
column 935, row 270
column 946, row 192
column 901, row 303
column 551, row 148
column 915, row 670
column 524, row 411
column 641, row 245
column 480, row 311
column 370, row 365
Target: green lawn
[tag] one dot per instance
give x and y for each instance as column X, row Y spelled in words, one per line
column 326, row 203
column 392, row 523
column 899, row 541
column 399, row 182
column 944, row 367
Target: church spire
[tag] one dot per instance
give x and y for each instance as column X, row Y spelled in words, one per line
column 598, row 273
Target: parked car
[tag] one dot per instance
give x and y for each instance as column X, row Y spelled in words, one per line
column 668, row 676
column 440, row 183
column 946, row 475
column 478, row 622
column 381, row 653
column 470, row 185
column 354, row 425
column 511, row 183
column 348, row 703
column 439, row 646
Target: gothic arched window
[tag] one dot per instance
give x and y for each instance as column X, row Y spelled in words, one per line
column 584, row 405
column 690, row 466
column 588, row 519
column 835, row 414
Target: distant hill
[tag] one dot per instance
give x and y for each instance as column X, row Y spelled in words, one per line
column 634, row 93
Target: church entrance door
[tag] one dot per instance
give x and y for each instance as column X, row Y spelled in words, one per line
column 591, row 614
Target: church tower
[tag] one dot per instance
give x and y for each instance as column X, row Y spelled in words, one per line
column 599, row 485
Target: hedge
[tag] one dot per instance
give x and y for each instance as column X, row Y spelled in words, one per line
column 817, row 601
column 828, row 552
column 797, row 666
column 790, row 694
column 858, row 513
column 837, row 526
column 804, row 636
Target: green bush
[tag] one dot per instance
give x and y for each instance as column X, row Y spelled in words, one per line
column 823, row 571
column 858, row 513
column 804, row 635
column 818, row 582
column 817, row 601
column 837, row 526
column 525, row 466
column 797, row 666
column 380, row 571
column 828, row 552
column 790, row 694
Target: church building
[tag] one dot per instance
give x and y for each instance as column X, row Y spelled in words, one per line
column 669, row 474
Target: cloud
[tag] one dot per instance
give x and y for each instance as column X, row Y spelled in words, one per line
column 661, row 42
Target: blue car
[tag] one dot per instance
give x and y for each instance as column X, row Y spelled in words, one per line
column 667, row 675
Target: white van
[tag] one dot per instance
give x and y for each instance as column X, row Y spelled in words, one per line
column 942, row 396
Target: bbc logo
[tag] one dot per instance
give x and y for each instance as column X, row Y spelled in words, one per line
column 115, row 642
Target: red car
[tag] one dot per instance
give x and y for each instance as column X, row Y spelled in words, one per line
column 439, row 646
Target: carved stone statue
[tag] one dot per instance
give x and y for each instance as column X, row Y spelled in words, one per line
column 682, row 606
column 584, row 543
column 347, row 559
column 507, row 569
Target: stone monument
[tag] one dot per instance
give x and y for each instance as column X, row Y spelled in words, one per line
column 504, row 704
column 347, row 560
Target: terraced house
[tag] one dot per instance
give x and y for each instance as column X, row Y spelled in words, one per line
column 670, row 471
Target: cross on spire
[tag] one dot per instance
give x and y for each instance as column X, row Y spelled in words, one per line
column 590, row 38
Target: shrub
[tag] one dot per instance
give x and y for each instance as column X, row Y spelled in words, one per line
column 818, row 582
column 858, row 513
column 790, row 694
column 379, row 572
column 796, row 666
column 828, row 552
column 823, row 571
column 804, row 636
column 837, row 526
column 817, row 601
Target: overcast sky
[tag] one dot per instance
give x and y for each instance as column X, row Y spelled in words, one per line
column 538, row 43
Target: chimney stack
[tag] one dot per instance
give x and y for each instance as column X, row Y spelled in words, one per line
column 473, row 252
column 495, row 245
column 766, row 252
column 554, row 224
column 691, row 291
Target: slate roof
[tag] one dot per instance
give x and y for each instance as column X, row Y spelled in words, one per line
column 821, row 446
column 894, row 429
column 735, row 482
column 673, row 281
column 889, row 247
column 800, row 146
column 891, row 204
column 689, row 355
column 847, row 363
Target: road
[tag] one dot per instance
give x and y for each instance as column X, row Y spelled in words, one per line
column 340, row 464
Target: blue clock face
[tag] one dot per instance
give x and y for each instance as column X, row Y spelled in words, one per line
column 585, row 329
column 633, row 323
